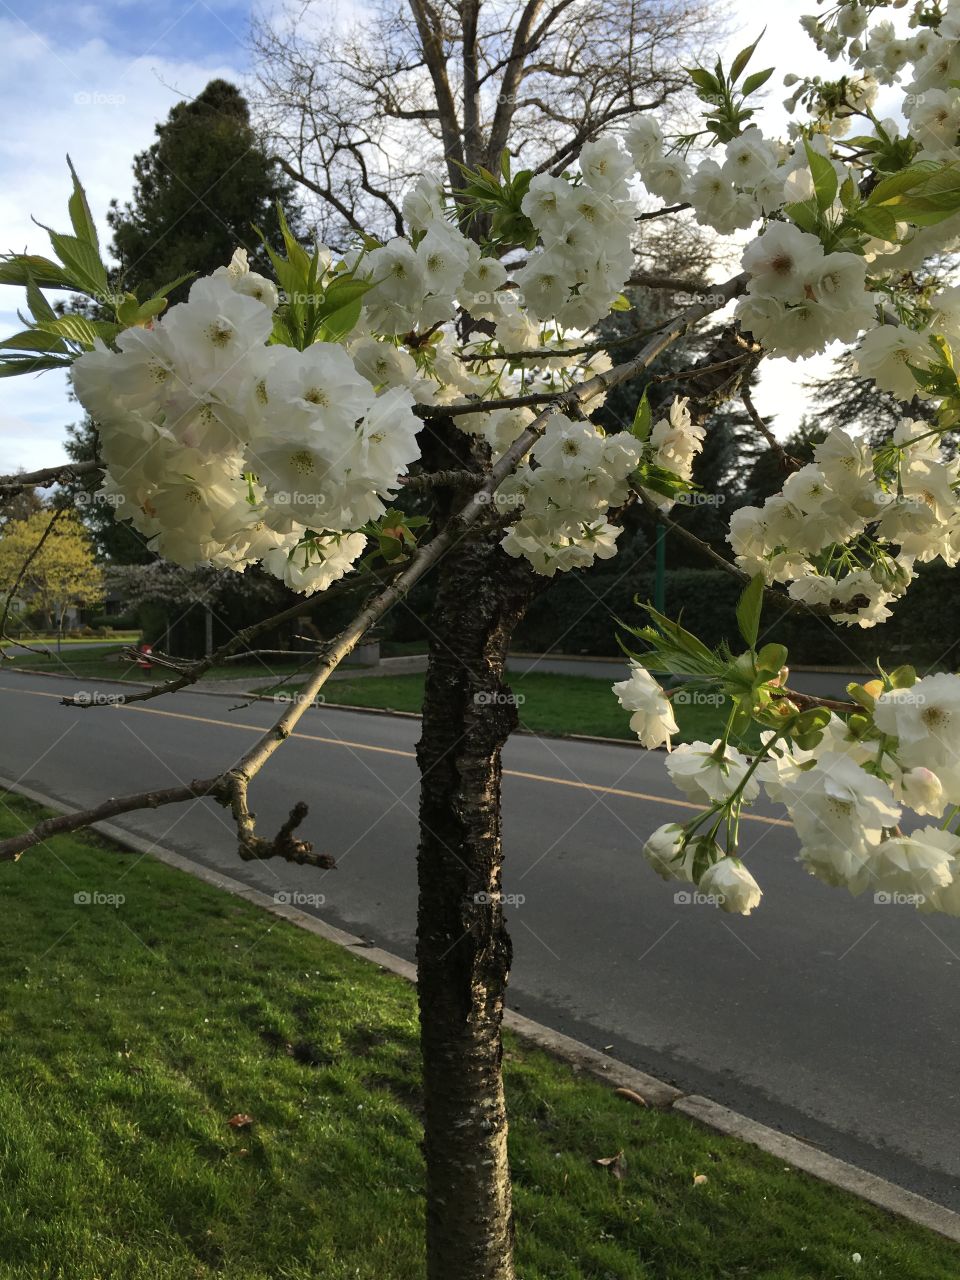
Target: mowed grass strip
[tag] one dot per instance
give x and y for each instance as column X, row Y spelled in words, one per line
column 550, row 703
column 132, row 1031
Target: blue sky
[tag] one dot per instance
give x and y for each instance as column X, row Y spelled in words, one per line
column 94, row 79
column 182, row 30
column 91, row 80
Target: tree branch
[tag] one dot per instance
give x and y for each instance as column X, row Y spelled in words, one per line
column 46, row 476
column 230, row 787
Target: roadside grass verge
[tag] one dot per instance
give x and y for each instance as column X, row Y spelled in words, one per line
column 131, row 1033
column 103, row 663
column 551, row 704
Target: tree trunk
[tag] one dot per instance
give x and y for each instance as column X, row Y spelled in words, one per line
column 463, row 948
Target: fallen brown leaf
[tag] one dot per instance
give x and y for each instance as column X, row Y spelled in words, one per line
column 240, row 1121
column 631, row 1096
column 616, row 1164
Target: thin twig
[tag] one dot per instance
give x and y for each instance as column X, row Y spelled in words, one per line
column 662, row 212
column 764, row 430
column 778, row 598
column 191, row 674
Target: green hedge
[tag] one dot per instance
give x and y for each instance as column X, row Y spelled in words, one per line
column 579, row 614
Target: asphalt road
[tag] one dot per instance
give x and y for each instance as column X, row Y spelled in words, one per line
column 832, row 1018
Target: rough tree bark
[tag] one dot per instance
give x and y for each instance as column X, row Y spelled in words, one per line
column 463, row 947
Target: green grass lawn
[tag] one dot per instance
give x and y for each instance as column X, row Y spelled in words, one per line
column 130, row 1034
column 551, row 704
column 50, row 641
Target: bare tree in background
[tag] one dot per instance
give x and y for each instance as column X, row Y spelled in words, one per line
column 356, row 110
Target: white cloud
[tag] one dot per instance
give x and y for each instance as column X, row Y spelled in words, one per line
column 100, row 106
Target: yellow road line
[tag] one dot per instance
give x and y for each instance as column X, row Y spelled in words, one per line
column 673, row 801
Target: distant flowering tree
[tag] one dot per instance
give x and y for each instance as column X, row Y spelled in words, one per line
column 274, row 421
column 47, row 565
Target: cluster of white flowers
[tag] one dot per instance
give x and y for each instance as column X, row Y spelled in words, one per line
column 652, row 718
column 727, row 197
column 575, row 475
column 850, row 820
column 902, row 509
column 672, row 446
column 721, row 878
column 578, row 474
column 227, row 450
column 586, row 229
column 847, row 798
column 886, row 353
column 800, row 298
column 570, row 278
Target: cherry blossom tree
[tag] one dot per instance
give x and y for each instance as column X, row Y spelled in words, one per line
column 275, row 421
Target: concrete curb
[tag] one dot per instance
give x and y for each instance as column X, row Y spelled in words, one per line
column 581, row 1057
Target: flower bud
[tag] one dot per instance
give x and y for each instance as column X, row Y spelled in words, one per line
column 735, row 888
column 922, row 790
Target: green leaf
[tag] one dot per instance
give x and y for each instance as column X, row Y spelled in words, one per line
column 82, row 261
column 76, row 328
column 825, row 182
column 904, row 677
column 621, row 303
column 877, row 222
column 812, row 720
column 167, row 289
column 849, row 196
column 337, row 324
column 705, row 82
column 643, row 418
column 33, row 340
column 772, row 658
column 16, row 365
column 40, row 308
column 16, row 269
column 743, row 57
column 749, row 608
column 754, row 81
column 80, row 215
column 804, row 214
column 299, row 258
column 859, row 694
column 888, row 189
